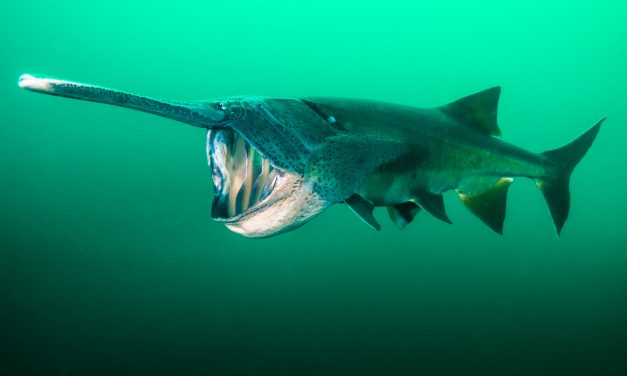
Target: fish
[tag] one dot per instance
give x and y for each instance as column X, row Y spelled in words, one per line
column 276, row 163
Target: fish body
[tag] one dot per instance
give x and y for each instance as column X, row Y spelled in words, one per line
column 444, row 152
column 278, row 162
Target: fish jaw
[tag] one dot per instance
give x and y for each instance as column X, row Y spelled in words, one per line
column 290, row 206
column 253, row 196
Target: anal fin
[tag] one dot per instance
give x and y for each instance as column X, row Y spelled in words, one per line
column 490, row 205
column 363, row 208
column 403, row 214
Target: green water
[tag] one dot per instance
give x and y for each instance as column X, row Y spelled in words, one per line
column 110, row 264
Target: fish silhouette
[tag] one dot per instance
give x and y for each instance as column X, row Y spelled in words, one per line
column 278, row 162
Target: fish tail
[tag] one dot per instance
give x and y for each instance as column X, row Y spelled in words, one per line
column 555, row 187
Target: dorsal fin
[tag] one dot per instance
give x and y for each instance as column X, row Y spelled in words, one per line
column 403, row 214
column 477, row 111
column 489, row 205
column 363, row 208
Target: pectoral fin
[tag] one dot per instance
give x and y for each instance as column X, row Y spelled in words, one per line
column 363, row 208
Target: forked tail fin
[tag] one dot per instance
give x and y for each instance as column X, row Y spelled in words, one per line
column 555, row 187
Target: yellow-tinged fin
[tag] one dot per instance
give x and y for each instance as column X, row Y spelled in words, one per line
column 477, row 111
column 490, row 205
column 403, row 214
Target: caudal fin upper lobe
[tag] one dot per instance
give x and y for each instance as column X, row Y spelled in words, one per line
column 555, row 187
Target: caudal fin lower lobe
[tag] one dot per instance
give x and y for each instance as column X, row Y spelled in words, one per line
column 555, row 187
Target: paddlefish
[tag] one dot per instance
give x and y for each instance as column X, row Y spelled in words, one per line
column 276, row 163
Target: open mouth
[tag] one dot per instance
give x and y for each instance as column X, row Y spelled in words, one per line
column 242, row 178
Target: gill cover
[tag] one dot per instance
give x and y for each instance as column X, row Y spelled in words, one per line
column 316, row 164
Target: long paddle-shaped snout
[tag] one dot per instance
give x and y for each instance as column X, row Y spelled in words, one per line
column 200, row 114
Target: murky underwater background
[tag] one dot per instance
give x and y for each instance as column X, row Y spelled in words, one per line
column 110, row 264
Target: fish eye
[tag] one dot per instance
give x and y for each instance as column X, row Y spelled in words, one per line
column 221, row 106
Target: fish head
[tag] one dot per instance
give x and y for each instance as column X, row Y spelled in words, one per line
column 275, row 162
column 253, row 196
column 258, row 162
